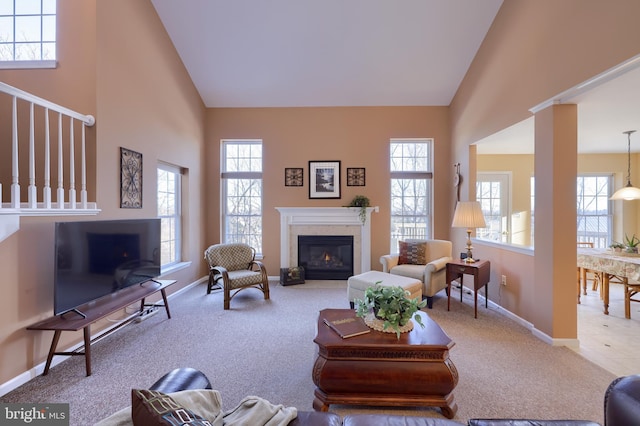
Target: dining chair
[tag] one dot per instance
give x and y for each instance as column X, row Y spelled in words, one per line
column 585, row 274
column 630, row 290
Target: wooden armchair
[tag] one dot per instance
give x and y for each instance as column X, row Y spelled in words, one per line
column 233, row 266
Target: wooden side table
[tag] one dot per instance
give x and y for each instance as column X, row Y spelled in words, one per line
column 481, row 271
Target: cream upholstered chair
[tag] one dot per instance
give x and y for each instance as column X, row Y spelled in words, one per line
column 425, row 260
column 233, row 266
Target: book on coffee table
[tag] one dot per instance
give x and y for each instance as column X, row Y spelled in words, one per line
column 348, row 327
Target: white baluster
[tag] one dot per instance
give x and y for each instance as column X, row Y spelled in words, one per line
column 15, row 184
column 72, row 167
column 32, row 194
column 60, row 165
column 46, row 191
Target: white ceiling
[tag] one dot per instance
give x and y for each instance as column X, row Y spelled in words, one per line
column 610, row 106
column 294, row 53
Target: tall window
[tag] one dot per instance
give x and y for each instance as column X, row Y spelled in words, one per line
column 411, row 166
column 594, row 213
column 169, row 213
column 242, row 192
column 27, row 30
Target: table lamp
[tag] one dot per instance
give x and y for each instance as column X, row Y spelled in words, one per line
column 468, row 215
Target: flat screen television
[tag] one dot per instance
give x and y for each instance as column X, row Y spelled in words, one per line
column 95, row 259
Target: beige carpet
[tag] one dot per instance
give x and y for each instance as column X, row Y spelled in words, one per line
column 266, row 348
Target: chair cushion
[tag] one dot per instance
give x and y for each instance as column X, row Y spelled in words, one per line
column 244, row 278
column 412, row 253
column 412, row 271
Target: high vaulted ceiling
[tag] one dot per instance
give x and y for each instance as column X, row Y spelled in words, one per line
column 294, row 53
column 297, row 53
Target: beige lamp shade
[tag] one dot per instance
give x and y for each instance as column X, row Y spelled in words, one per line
column 468, row 214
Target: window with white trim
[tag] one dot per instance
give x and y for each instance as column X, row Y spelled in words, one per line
column 241, row 181
column 411, row 167
column 169, row 212
column 27, row 30
column 492, row 191
column 594, row 212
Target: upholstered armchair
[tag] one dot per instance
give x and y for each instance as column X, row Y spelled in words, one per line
column 425, row 260
column 233, row 266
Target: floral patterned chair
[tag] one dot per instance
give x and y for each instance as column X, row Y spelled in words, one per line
column 233, row 266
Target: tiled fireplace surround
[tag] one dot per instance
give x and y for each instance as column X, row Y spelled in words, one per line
column 296, row 221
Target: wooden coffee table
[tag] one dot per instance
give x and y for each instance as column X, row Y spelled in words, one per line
column 378, row 369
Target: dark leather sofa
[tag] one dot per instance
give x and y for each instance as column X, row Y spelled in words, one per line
column 621, row 407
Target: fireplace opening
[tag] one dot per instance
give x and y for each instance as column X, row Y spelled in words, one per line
column 326, row 257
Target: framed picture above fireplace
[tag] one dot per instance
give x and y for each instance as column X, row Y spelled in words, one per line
column 324, row 179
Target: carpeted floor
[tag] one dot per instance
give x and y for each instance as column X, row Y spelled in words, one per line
column 266, row 348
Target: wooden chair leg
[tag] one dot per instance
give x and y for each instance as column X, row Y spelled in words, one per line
column 627, row 301
column 578, row 281
column 227, row 297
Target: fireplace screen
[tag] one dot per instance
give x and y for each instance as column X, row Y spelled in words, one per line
column 326, row 257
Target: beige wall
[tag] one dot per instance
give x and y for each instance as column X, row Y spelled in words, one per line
column 358, row 137
column 133, row 82
column 514, row 71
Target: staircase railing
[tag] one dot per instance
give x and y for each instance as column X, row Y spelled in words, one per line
column 46, row 205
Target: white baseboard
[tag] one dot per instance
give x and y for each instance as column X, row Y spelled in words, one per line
column 34, row 372
column 570, row 343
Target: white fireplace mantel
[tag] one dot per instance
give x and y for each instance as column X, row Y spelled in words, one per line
column 319, row 218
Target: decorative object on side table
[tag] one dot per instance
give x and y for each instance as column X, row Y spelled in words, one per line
column 388, row 309
column 355, row 176
column 324, row 179
column 293, row 176
column 292, row 275
column 468, row 215
column 130, row 179
column 362, row 202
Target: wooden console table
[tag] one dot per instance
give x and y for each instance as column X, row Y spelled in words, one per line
column 95, row 311
column 377, row 368
column 481, row 272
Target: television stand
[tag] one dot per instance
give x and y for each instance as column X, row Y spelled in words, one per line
column 97, row 310
column 75, row 311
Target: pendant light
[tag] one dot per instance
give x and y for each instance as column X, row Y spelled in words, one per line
column 629, row 192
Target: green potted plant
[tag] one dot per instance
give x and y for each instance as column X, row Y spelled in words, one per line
column 390, row 305
column 631, row 243
column 616, row 246
column 362, row 202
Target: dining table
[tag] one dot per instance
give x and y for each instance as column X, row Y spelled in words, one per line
column 609, row 264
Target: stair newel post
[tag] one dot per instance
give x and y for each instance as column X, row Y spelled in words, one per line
column 83, row 183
